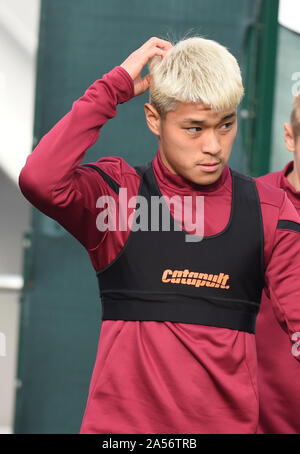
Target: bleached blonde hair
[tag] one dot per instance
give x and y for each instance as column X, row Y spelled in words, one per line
column 195, row 70
column 295, row 116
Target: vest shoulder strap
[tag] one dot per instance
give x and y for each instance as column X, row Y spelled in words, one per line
column 108, row 179
column 141, row 169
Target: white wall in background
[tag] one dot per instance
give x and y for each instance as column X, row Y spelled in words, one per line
column 289, row 14
column 19, row 20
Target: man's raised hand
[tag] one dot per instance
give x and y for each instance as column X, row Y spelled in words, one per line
column 136, row 61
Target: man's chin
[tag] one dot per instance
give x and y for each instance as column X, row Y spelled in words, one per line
column 206, row 179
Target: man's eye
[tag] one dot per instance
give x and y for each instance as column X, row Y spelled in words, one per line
column 227, row 125
column 195, row 129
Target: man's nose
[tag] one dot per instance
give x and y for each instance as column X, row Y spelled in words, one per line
column 210, row 142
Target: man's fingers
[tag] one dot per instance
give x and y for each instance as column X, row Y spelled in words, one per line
column 147, row 78
column 135, row 63
column 146, row 82
column 156, row 51
column 154, row 46
column 161, row 43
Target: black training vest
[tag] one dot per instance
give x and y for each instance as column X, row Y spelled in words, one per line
column 158, row 276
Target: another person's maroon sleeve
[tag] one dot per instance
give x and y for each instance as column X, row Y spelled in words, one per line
column 52, row 178
column 282, row 275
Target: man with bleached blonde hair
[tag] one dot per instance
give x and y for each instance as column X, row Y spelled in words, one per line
column 177, row 350
column 278, row 372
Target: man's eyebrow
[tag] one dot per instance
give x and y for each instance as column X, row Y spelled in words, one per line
column 227, row 117
column 193, row 121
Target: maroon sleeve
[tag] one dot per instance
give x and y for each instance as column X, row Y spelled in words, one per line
column 52, row 178
column 283, row 270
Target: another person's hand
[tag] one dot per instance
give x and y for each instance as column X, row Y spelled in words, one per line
column 136, row 61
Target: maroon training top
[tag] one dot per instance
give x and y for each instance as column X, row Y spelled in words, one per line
column 159, row 377
column 279, row 373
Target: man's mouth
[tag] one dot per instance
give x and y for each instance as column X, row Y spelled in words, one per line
column 209, row 167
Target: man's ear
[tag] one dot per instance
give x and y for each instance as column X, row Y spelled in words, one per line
column 289, row 138
column 153, row 119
